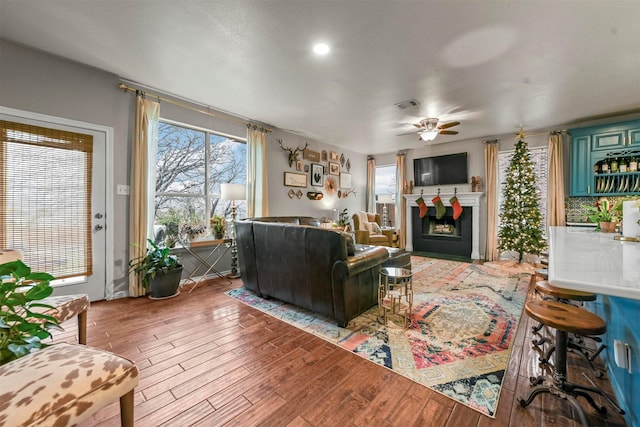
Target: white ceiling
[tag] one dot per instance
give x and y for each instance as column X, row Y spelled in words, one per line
column 492, row 65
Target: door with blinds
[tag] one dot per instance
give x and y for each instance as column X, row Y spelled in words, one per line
column 52, row 201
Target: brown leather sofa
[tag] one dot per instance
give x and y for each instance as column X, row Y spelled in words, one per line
column 384, row 238
column 294, row 260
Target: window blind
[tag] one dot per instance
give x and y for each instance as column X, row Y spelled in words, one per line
column 45, row 197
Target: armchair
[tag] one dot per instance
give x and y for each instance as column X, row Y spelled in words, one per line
column 367, row 230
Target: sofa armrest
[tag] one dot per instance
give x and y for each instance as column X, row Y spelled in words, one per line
column 389, row 234
column 362, row 237
column 361, row 261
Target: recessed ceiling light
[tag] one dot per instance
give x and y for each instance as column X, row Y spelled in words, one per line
column 321, row 48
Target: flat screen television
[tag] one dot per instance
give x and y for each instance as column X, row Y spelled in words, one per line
column 440, row 170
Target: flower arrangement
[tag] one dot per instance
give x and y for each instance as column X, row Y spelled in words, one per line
column 191, row 230
column 217, row 225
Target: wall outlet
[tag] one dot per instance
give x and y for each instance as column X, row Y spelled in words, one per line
column 622, row 354
column 122, row 190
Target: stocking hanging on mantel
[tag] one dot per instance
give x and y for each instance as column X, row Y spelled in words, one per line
column 457, row 209
column 422, row 206
column 440, row 209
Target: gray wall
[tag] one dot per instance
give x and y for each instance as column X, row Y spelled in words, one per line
column 38, row 82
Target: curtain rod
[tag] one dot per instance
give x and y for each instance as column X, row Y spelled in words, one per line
column 493, row 141
column 189, row 107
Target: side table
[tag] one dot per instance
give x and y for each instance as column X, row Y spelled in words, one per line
column 206, row 262
column 395, row 293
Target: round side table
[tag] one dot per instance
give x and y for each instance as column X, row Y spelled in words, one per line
column 395, row 293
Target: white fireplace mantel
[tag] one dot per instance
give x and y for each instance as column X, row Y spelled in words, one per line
column 467, row 200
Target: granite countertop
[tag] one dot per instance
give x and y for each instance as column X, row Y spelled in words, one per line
column 583, row 259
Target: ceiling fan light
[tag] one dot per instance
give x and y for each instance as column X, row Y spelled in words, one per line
column 428, row 135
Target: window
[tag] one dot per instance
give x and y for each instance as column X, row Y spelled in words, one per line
column 191, row 164
column 385, row 186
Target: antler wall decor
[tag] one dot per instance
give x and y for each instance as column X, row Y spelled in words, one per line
column 293, row 154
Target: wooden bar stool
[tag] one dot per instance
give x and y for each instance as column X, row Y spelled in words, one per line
column 575, row 343
column 566, row 318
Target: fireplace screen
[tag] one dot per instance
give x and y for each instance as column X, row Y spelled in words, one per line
column 445, row 226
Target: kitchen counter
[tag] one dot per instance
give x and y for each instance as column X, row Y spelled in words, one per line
column 590, row 261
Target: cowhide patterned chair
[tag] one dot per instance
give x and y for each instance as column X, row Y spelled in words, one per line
column 65, row 384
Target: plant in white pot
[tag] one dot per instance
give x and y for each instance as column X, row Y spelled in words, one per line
column 160, row 271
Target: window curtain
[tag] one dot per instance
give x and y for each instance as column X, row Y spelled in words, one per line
column 490, row 173
column 142, row 186
column 555, row 206
column 401, row 207
column 257, row 191
column 371, row 184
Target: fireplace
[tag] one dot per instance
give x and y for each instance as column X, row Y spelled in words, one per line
column 447, row 236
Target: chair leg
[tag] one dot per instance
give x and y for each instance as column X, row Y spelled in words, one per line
column 82, row 328
column 126, row 409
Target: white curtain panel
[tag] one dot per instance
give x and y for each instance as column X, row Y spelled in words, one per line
column 257, row 192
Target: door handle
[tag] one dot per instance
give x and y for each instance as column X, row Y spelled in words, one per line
column 98, row 227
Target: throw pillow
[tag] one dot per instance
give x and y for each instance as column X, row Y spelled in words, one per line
column 375, row 228
column 348, row 238
column 351, row 247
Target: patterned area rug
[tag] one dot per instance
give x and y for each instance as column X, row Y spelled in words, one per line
column 464, row 319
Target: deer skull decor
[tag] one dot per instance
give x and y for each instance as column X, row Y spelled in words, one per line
column 293, row 154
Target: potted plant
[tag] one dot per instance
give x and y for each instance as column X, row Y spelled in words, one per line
column 343, row 218
column 160, row 271
column 604, row 215
column 217, row 226
column 191, row 231
column 21, row 328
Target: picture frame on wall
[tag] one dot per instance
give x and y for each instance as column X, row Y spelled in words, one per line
column 324, row 156
column 311, row 155
column 299, row 165
column 334, row 168
column 334, row 156
column 317, row 175
column 345, row 180
column 295, row 179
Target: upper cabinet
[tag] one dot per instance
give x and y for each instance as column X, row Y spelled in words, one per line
column 604, row 160
column 616, row 136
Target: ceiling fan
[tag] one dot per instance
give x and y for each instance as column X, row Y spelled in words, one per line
column 428, row 129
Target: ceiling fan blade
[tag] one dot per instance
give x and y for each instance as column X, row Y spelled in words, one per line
column 448, row 132
column 407, row 133
column 448, row 125
column 417, row 125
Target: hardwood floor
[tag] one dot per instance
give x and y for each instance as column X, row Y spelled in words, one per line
column 206, row 359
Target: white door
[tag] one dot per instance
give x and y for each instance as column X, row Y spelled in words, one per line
column 95, row 284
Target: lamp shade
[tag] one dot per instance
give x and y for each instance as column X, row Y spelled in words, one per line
column 385, row 198
column 233, row 191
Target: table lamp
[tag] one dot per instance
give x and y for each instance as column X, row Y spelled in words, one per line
column 233, row 192
column 385, row 199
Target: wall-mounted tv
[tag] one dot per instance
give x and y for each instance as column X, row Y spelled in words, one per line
column 440, row 170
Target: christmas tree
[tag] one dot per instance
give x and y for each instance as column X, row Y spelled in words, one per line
column 520, row 216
